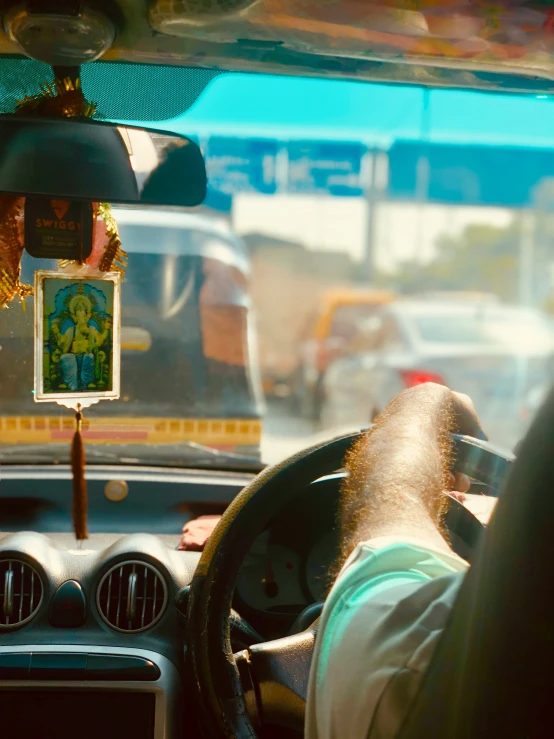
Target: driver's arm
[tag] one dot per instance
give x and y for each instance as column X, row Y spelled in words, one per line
column 392, row 596
column 399, row 471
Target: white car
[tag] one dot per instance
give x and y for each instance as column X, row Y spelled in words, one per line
column 495, row 353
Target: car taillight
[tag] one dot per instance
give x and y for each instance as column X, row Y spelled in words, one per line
column 413, row 377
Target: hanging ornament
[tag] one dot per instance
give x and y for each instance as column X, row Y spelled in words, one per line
column 77, row 353
column 77, row 318
column 62, row 98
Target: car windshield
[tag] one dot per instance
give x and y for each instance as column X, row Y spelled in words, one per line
column 512, row 329
column 331, row 203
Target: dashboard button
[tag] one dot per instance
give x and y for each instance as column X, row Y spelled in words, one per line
column 68, row 608
column 15, row 666
column 115, row 667
column 58, row 666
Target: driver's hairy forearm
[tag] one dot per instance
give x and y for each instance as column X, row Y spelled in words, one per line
column 399, row 471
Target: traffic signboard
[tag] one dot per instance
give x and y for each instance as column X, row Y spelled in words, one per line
column 467, row 174
column 241, row 165
column 450, row 174
column 325, row 167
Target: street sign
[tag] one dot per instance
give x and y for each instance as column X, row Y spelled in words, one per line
column 467, row 175
column 237, row 165
column 449, row 174
column 325, row 168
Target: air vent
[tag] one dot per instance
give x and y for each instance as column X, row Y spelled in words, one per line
column 132, row 596
column 20, row 593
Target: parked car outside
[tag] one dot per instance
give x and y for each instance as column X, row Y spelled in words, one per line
column 495, row 353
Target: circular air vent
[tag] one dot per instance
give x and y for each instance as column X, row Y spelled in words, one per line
column 20, row 593
column 132, row 596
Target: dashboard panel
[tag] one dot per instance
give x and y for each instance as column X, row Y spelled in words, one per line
column 288, row 566
column 157, row 501
column 93, row 622
column 284, row 572
column 57, row 560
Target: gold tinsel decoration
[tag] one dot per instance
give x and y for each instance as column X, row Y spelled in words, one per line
column 63, row 98
column 114, row 257
column 11, row 250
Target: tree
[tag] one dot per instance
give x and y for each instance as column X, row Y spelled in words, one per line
column 482, row 259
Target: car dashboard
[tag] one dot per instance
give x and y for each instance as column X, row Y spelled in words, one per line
column 102, row 617
column 289, row 565
column 96, row 619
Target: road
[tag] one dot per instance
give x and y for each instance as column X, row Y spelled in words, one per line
column 284, row 434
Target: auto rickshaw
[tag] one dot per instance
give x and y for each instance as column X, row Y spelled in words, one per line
column 330, row 333
column 186, row 331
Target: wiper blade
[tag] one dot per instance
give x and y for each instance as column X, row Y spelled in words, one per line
column 188, row 452
column 34, row 453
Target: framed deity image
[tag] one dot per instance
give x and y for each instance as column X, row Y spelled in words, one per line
column 77, row 338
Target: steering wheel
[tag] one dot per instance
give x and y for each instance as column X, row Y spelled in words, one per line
column 267, row 683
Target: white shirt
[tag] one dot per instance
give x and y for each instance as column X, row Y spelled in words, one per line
column 377, row 633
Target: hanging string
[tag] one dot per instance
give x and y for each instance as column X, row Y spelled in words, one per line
column 78, row 463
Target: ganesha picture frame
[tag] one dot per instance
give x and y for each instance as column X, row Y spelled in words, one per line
column 77, row 337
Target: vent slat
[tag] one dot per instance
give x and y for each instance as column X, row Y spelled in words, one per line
column 132, row 596
column 119, row 597
column 109, row 595
column 144, row 599
column 32, row 589
column 22, row 599
column 154, row 599
column 21, row 593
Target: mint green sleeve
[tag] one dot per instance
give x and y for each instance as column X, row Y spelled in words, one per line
column 373, row 622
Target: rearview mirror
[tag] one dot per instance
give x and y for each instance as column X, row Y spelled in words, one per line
column 101, row 162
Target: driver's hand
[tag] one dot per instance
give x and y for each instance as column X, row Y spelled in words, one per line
column 430, row 396
column 465, row 416
column 197, row 532
column 467, row 422
column 459, row 485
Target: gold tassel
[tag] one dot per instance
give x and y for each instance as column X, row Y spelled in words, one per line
column 78, row 462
